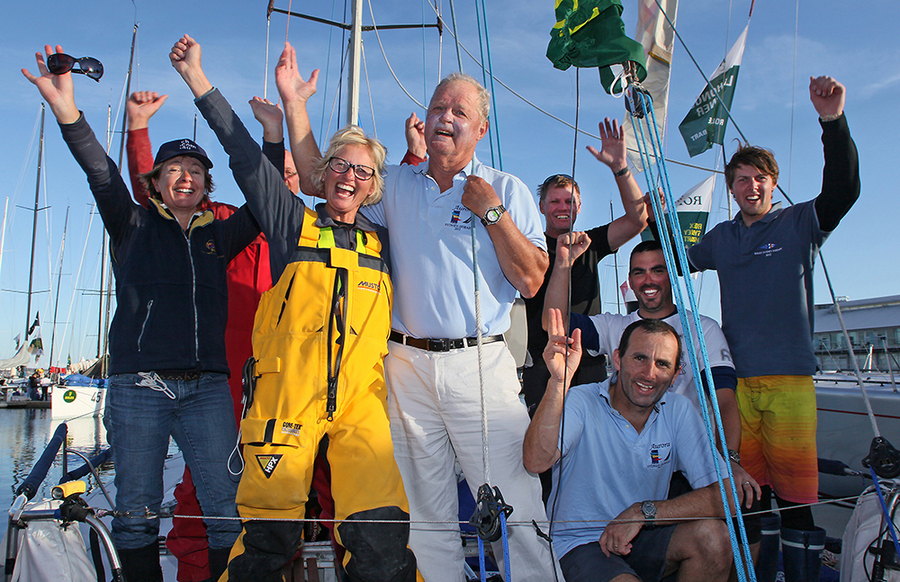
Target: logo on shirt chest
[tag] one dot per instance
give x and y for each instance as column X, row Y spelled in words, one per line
column 660, row 455
column 457, row 222
column 767, row 250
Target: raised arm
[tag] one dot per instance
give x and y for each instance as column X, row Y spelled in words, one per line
column 294, row 93
column 540, row 449
column 141, row 106
column 415, row 136
column 557, row 294
column 106, row 184
column 840, row 177
column 624, row 228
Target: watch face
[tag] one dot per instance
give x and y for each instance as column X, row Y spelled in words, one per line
column 648, row 508
column 492, row 215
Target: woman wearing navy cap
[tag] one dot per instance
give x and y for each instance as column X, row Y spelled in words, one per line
column 167, row 365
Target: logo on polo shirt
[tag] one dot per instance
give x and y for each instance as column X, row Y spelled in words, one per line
column 660, row 453
column 456, row 220
column 767, row 250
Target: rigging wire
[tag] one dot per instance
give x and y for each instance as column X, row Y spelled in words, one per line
column 484, row 75
column 793, row 97
column 488, row 72
column 387, row 62
column 456, row 36
column 368, row 86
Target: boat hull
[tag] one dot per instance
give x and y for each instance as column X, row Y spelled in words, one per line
column 845, row 432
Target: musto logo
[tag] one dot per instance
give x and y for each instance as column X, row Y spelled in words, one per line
column 69, row 396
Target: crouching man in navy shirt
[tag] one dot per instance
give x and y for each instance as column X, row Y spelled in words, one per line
column 613, row 459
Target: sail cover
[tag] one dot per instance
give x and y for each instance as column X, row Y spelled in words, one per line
column 591, row 34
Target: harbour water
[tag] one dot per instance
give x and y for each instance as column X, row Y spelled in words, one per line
column 24, row 434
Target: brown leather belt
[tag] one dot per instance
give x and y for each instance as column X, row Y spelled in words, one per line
column 442, row 344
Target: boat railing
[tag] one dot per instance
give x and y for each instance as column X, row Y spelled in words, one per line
column 71, row 508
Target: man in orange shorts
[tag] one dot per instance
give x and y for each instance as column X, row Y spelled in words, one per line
column 765, row 258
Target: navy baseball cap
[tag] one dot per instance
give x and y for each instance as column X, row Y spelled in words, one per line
column 181, row 147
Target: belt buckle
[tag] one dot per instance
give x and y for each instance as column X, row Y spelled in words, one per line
column 439, row 345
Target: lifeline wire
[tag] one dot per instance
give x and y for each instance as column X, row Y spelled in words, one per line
column 666, row 243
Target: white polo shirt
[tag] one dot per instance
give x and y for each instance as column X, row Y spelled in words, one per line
column 431, row 251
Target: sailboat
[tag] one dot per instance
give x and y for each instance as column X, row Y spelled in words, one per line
column 31, row 348
column 396, row 130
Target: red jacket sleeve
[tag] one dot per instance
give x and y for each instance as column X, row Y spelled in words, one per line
column 140, row 161
column 412, row 159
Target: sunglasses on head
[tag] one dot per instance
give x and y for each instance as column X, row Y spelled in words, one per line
column 60, row 63
column 554, row 178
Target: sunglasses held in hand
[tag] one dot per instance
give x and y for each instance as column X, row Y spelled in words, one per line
column 60, row 63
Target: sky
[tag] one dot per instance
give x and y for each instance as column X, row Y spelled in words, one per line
column 787, row 43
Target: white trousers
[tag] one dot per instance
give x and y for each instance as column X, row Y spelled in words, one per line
column 435, row 408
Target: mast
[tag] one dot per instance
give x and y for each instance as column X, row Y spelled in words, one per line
column 356, row 29
column 37, row 192
column 353, row 72
column 62, row 249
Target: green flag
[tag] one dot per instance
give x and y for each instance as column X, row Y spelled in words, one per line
column 591, row 34
column 705, row 123
column 693, row 211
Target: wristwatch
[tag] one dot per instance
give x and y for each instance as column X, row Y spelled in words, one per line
column 492, row 215
column 734, row 456
column 648, row 508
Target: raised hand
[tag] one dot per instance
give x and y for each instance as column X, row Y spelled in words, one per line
column 562, row 354
column 271, row 117
column 141, row 106
column 570, row 246
column 290, row 83
column 57, row 90
column 612, row 140
column 186, row 59
column 415, row 136
column 827, row 96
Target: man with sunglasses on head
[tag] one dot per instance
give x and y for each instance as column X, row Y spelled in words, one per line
column 559, row 200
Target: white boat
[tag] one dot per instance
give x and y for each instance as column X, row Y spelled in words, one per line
column 844, row 429
column 76, row 398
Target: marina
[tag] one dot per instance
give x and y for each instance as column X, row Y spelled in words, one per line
column 845, row 430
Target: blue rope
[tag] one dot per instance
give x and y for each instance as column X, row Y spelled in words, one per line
column 481, row 568
column 671, row 217
column 506, row 564
column 887, row 513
